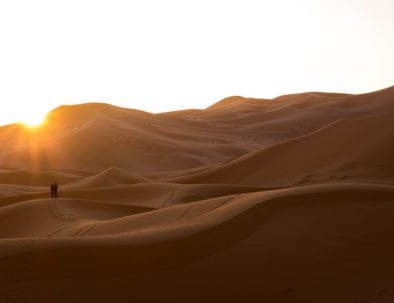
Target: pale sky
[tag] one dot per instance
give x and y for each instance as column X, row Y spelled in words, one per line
column 158, row 55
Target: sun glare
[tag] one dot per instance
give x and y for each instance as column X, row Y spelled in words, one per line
column 33, row 120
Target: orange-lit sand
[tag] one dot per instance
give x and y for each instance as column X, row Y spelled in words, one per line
column 249, row 200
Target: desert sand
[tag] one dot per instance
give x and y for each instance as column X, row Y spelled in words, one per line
column 249, row 200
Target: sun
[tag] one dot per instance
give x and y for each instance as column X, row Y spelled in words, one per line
column 33, row 120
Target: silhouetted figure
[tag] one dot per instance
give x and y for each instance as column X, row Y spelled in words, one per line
column 55, row 190
column 52, row 191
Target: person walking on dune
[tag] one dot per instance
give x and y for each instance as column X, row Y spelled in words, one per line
column 55, row 189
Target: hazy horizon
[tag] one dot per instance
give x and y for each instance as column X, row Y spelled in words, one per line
column 159, row 57
column 38, row 120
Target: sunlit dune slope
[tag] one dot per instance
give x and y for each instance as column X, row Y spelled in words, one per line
column 93, row 137
column 346, row 150
column 40, row 216
column 153, row 195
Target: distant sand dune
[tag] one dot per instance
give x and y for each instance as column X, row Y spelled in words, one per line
column 35, row 178
column 93, row 137
column 347, row 150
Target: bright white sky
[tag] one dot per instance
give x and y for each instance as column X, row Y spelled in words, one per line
column 160, row 55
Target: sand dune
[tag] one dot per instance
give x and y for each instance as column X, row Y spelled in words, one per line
column 355, row 149
column 11, row 190
column 250, row 200
column 103, row 141
column 186, row 218
column 269, row 122
column 94, row 137
column 35, row 178
column 109, row 177
column 242, row 241
column 153, row 195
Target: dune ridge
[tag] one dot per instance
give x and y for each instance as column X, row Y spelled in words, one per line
column 109, row 177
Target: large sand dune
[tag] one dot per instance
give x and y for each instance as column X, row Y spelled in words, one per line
column 355, row 149
column 249, row 200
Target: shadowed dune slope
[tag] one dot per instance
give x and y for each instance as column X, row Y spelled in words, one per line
column 337, row 232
